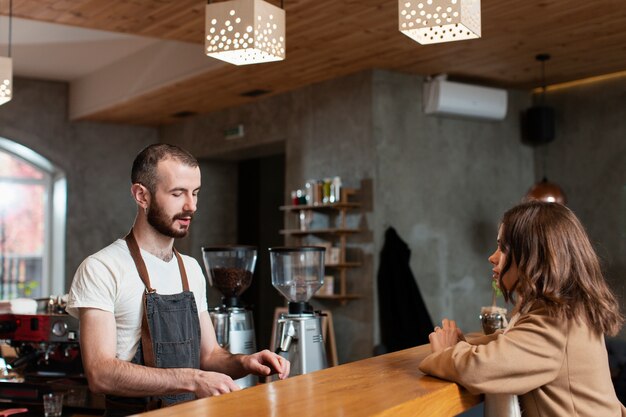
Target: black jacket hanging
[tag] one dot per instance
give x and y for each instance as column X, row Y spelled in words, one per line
column 404, row 319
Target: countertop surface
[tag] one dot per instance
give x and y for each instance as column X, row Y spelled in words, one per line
column 386, row 385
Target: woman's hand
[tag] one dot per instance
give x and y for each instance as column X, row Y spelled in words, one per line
column 445, row 336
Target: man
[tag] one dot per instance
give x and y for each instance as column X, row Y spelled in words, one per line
column 145, row 331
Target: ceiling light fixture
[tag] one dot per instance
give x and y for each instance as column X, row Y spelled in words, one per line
column 538, row 129
column 6, row 67
column 245, row 32
column 436, row 21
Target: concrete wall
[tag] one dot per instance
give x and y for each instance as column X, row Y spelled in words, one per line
column 442, row 183
column 95, row 157
column 588, row 160
column 214, row 222
column 324, row 130
column 332, row 136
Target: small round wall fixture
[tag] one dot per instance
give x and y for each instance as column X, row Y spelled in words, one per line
column 546, row 191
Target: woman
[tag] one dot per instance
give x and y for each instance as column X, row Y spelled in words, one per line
column 552, row 354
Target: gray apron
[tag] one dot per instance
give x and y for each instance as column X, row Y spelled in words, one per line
column 170, row 337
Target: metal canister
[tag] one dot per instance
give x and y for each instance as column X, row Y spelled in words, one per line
column 221, row 324
column 310, row 190
column 326, row 190
column 318, row 193
column 335, row 190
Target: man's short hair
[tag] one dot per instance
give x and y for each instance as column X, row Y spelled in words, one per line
column 144, row 169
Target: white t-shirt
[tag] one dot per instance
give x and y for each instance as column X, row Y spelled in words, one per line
column 108, row 280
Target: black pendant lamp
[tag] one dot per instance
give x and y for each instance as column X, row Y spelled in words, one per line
column 538, row 120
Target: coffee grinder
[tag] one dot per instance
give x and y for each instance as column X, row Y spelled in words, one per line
column 230, row 270
column 297, row 273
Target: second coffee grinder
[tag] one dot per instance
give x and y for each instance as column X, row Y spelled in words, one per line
column 230, row 270
column 297, row 273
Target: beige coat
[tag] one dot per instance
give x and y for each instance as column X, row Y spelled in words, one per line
column 559, row 368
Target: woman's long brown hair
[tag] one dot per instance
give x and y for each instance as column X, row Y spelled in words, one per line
column 557, row 265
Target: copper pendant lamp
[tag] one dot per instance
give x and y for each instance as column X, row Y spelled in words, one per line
column 546, row 191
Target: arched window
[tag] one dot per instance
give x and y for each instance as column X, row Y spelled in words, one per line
column 32, row 224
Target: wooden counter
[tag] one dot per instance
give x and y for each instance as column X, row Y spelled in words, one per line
column 388, row 385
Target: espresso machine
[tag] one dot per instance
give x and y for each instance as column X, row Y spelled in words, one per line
column 230, row 270
column 42, row 355
column 297, row 273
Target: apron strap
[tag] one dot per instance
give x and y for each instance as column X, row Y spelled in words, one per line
column 183, row 272
column 139, row 263
column 146, row 339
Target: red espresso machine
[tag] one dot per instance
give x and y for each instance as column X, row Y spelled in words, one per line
column 41, row 354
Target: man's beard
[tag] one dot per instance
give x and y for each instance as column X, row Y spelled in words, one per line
column 158, row 219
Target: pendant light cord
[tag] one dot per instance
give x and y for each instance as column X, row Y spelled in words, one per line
column 543, row 82
column 543, row 58
column 10, row 24
column 544, row 163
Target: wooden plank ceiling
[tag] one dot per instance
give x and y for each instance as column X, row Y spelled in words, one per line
column 332, row 38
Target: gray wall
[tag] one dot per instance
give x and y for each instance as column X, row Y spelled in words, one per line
column 332, row 136
column 324, row 130
column 442, row 183
column 95, row 157
column 588, row 160
column 214, row 222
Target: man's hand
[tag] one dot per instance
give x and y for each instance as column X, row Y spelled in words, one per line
column 266, row 363
column 217, row 359
column 209, row 384
column 446, row 336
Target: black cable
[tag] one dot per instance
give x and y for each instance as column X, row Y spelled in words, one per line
column 10, row 24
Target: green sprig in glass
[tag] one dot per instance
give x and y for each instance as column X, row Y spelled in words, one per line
column 496, row 292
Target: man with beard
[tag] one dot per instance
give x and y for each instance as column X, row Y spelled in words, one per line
column 146, row 336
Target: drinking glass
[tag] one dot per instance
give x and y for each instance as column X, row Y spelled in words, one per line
column 53, row 404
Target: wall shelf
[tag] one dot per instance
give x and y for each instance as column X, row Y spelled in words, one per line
column 339, row 234
column 321, row 207
column 337, row 297
column 331, row 231
column 343, row 265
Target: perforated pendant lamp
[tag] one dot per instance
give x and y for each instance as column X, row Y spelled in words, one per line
column 245, row 32
column 6, row 79
column 435, row 21
column 6, row 67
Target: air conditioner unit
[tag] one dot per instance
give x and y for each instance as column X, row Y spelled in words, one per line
column 443, row 97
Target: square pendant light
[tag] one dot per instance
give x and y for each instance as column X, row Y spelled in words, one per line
column 6, row 79
column 435, row 21
column 245, row 32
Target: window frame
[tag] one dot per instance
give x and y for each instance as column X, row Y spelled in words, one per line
column 55, row 214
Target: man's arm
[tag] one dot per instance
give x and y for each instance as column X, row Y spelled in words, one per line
column 108, row 375
column 215, row 358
